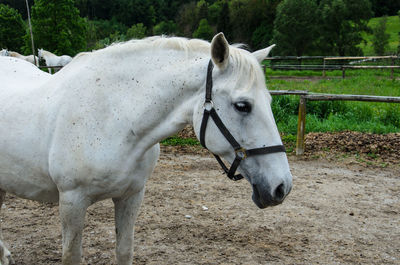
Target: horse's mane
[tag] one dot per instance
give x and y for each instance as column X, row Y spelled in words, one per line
column 244, row 63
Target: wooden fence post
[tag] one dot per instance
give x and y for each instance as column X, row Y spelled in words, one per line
column 323, row 71
column 343, row 72
column 301, row 126
column 392, row 73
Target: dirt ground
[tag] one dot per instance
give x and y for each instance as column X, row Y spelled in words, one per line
column 340, row 211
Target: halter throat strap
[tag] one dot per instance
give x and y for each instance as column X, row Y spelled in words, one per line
column 240, row 152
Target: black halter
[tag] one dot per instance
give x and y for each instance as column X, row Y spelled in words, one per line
column 240, row 152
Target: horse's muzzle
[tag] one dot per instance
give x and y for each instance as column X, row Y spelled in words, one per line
column 264, row 195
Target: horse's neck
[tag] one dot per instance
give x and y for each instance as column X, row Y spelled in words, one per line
column 174, row 96
column 159, row 91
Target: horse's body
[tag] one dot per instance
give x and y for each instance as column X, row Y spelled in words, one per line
column 29, row 58
column 53, row 60
column 91, row 131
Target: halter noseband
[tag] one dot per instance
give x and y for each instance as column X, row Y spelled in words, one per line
column 240, row 152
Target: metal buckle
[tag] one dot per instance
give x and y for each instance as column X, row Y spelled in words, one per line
column 241, row 153
column 208, row 105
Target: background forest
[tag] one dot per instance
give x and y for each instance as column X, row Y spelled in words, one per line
column 299, row 27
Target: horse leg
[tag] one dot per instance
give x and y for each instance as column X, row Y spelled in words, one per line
column 126, row 212
column 73, row 206
column 5, row 255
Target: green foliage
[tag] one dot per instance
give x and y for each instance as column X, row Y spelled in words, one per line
column 398, row 47
column 137, row 31
column 392, row 28
column 204, row 31
column 131, row 12
column 175, row 140
column 380, row 39
column 101, row 33
column 324, row 116
column 341, row 27
column 224, row 21
column 12, row 29
column 57, row 27
column 248, row 15
column 261, row 37
column 214, row 11
column 385, row 8
column 295, row 27
column 187, row 19
column 164, row 27
column 202, row 9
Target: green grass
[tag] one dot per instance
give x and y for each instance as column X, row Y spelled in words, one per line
column 392, row 28
column 175, row 140
column 333, row 116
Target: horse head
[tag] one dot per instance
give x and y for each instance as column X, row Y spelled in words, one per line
column 4, row 52
column 40, row 54
column 240, row 99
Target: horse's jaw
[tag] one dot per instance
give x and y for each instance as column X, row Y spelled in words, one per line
column 271, row 181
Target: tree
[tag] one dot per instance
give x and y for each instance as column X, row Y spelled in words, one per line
column 165, row 27
column 202, row 10
column 186, row 19
column 341, row 27
column 224, row 22
column 20, row 6
column 386, row 7
column 204, row 31
column 398, row 47
column 380, row 39
column 57, row 27
column 248, row 16
column 12, row 28
column 137, row 31
column 295, row 27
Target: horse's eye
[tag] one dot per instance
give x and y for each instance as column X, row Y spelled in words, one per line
column 243, row 106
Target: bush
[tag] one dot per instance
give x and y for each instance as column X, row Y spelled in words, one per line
column 12, row 28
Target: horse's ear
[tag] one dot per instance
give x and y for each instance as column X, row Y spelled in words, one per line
column 220, row 51
column 262, row 54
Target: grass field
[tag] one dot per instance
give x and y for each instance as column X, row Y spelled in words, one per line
column 333, row 116
column 392, row 28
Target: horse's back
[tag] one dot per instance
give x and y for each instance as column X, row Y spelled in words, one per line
column 19, row 74
column 65, row 59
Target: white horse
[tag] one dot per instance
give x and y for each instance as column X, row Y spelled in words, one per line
column 4, row 52
column 29, row 58
column 53, row 60
column 91, row 132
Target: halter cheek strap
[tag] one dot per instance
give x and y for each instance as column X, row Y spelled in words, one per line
column 240, row 152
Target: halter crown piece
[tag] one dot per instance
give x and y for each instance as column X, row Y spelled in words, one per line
column 240, row 152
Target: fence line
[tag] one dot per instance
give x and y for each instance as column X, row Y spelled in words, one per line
column 328, row 66
column 305, row 96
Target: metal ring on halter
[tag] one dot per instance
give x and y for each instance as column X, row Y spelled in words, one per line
column 208, row 105
column 241, row 152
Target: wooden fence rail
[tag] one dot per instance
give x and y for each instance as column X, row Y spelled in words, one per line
column 306, row 96
column 326, row 64
column 344, row 67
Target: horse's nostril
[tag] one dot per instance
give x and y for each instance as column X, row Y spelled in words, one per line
column 280, row 192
